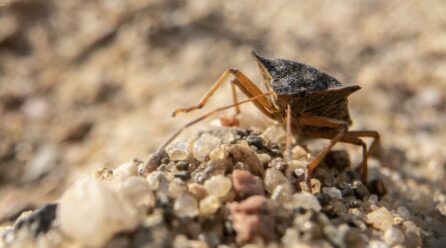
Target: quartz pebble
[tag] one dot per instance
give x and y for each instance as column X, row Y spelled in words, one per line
column 315, row 186
column 204, row 145
column 105, row 211
column 273, row 178
column 209, row 205
column 178, row 151
column 380, row 219
column 137, row 190
column 393, row 236
column 305, row 200
column 275, row 134
column 246, row 184
column 125, row 170
column 332, row 192
column 218, row 185
column 186, row 205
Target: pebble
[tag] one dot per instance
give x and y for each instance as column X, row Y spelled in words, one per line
column 244, row 154
column 126, row 170
column 305, row 200
column 178, row 151
column 186, row 205
column 105, row 211
column 315, row 186
column 246, row 184
column 275, row 134
column 393, row 236
column 218, row 186
column 137, row 191
column 197, row 190
column 332, row 192
column 203, row 146
column 380, row 219
column 252, row 218
column 273, row 178
column 209, row 205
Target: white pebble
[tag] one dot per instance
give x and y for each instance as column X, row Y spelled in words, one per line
column 125, row 170
column 204, row 145
column 332, row 192
column 178, row 151
column 137, row 191
column 305, row 200
column 186, row 205
column 92, row 212
column 393, row 236
column 209, row 205
column 273, row 178
column 380, row 219
column 218, row 186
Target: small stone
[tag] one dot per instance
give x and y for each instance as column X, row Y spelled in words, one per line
column 137, row 191
column 186, row 205
column 197, row 190
column 209, row 205
column 404, row 213
column 91, row 213
column 377, row 244
column 204, row 145
column 218, row 186
column 380, row 219
column 126, row 170
column 182, row 165
column 360, row 189
column 299, row 172
column 252, row 218
column 246, row 184
column 282, row 193
column 157, row 180
column 299, row 153
column 274, row 134
column 178, row 151
column 315, row 186
column 305, row 200
column 332, row 192
column 264, row 158
column 218, row 154
column 273, row 178
column 176, row 188
column 278, row 164
column 393, row 236
column 244, row 154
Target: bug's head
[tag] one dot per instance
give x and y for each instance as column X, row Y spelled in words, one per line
column 287, row 77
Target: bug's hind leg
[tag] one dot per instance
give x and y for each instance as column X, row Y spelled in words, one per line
column 375, row 149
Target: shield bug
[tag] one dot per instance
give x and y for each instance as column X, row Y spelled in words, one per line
column 308, row 102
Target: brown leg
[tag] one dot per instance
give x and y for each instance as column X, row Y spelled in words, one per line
column 342, row 126
column 288, row 133
column 349, row 137
column 245, row 85
column 206, row 116
column 375, row 149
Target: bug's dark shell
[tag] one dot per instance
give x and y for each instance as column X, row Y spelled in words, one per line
column 294, row 78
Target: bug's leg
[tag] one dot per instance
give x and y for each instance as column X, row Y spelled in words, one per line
column 252, row 99
column 245, row 85
column 233, row 119
column 347, row 138
column 288, row 133
column 375, row 149
column 342, row 127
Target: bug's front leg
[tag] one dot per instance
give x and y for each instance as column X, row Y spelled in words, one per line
column 316, row 121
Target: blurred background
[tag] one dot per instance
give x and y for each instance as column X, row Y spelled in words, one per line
column 87, row 84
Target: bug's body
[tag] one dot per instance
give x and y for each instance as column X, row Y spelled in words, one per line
column 309, row 102
column 308, row 91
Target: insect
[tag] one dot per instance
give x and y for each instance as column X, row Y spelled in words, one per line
column 307, row 101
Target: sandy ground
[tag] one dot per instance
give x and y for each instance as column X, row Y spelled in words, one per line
column 88, row 84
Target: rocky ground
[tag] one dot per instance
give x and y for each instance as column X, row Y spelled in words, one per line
column 91, row 84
